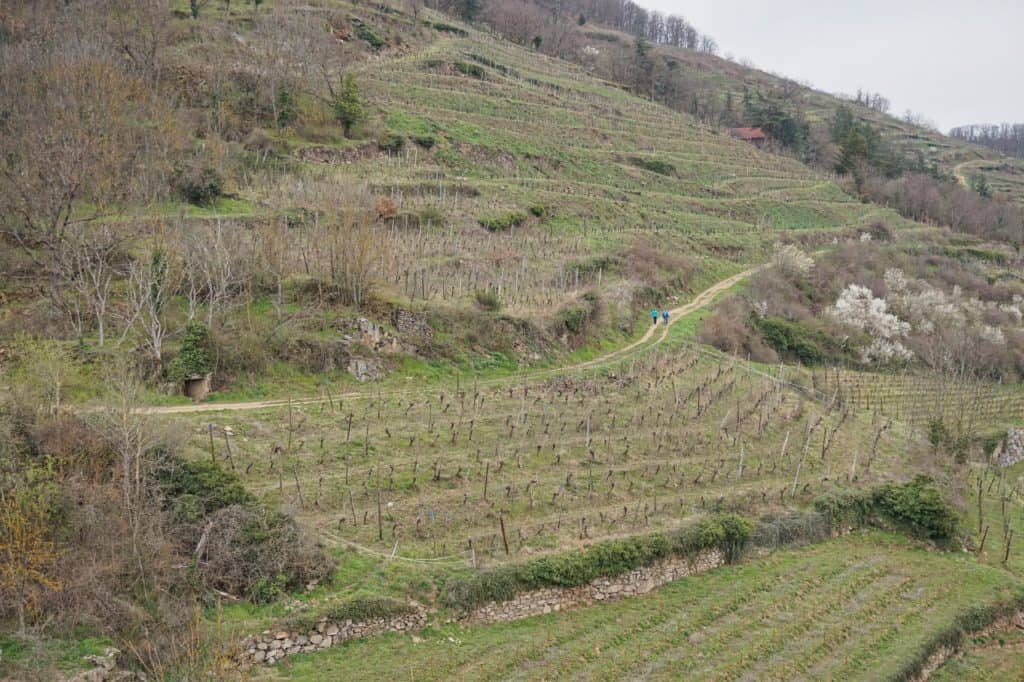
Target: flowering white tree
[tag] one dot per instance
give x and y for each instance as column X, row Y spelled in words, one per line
column 928, row 308
column 792, row 262
column 857, row 307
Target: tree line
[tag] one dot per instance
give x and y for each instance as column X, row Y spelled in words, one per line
column 622, row 15
column 1007, row 138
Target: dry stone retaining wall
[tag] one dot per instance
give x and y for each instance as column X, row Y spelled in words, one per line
column 1012, row 450
column 638, row 581
column 271, row 646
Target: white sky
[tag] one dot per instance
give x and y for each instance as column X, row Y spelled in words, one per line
column 953, row 61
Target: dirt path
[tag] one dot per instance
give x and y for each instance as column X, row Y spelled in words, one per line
column 958, row 172
column 701, row 300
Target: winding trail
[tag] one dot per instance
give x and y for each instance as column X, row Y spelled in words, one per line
column 701, row 300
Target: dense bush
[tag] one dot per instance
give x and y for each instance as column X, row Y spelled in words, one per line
column 247, row 550
column 348, row 105
column 391, row 142
column 916, row 507
column 425, row 141
column 654, row 165
column 195, row 357
column 194, row 488
column 471, row 70
column 448, row 28
column 919, row 507
column 286, row 107
column 257, row 553
column 789, row 338
column 502, row 222
column 199, row 185
column 488, row 299
column 573, row 318
column 365, row 32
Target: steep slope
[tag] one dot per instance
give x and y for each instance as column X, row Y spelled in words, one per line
column 714, row 82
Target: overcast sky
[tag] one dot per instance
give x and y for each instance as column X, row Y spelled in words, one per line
column 953, row 61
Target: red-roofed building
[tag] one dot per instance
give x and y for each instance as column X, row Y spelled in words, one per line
column 754, row 136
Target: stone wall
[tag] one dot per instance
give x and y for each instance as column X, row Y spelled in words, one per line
column 271, row 646
column 939, row 657
column 1012, row 449
column 638, row 581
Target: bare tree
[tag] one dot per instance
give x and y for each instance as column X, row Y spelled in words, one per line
column 72, row 142
column 86, row 262
column 132, row 436
column 214, row 268
column 151, row 283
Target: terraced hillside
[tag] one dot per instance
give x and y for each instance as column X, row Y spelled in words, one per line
column 426, row 258
column 856, row 608
column 498, row 471
column 717, row 80
column 521, row 174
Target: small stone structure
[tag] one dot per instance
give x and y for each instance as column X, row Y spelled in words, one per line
column 411, row 323
column 105, row 669
column 197, row 387
column 630, row 584
column 271, row 646
column 1011, row 450
column 366, row 369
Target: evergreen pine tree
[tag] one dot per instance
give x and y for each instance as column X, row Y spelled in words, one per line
column 348, row 107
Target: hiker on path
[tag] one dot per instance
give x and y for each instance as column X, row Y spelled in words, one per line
column 654, row 317
column 664, row 316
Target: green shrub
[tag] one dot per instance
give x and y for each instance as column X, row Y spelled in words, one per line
column 194, row 358
column 654, row 165
column 448, row 28
column 538, row 210
column 488, row 300
column 391, row 142
column 497, row 66
column 735, row 535
column 471, row 70
column 285, row 105
column 916, row 507
column 919, row 507
column 198, row 185
column 267, row 589
column 792, row 338
column 596, row 264
column 842, row 508
column 502, row 222
column 425, row 141
column 258, row 553
column 370, row 36
column 195, row 488
column 573, row 318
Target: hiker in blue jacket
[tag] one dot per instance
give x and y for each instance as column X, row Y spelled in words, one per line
column 664, row 316
column 654, row 317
